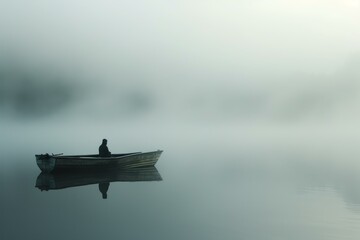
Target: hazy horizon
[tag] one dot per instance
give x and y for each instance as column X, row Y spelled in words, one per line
column 199, row 61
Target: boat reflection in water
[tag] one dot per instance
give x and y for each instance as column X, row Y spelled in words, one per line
column 103, row 177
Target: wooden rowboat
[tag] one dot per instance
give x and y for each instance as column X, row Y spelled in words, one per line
column 49, row 163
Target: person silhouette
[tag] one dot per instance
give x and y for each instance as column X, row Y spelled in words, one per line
column 103, row 149
column 103, row 187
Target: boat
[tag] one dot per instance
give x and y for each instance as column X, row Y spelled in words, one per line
column 67, row 179
column 57, row 162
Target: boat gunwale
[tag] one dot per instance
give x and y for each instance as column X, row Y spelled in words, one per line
column 96, row 156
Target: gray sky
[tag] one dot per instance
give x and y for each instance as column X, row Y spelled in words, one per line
column 260, row 59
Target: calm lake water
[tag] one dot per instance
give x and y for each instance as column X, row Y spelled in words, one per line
column 218, row 183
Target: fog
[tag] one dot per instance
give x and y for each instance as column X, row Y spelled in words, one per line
column 255, row 104
column 266, row 62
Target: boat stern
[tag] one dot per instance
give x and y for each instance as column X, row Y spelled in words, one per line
column 45, row 162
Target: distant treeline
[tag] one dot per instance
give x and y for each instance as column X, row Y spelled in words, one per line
column 28, row 93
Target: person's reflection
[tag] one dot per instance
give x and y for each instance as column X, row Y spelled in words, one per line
column 103, row 187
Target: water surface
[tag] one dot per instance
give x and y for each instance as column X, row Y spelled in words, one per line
column 216, row 185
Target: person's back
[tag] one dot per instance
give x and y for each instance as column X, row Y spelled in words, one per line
column 103, row 149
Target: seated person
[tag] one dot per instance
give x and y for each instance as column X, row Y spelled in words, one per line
column 103, row 149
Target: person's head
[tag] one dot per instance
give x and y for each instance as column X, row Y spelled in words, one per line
column 104, row 141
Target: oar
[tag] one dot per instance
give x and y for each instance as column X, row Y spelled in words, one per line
column 58, row 154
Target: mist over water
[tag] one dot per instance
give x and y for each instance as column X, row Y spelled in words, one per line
column 258, row 60
column 255, row 104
